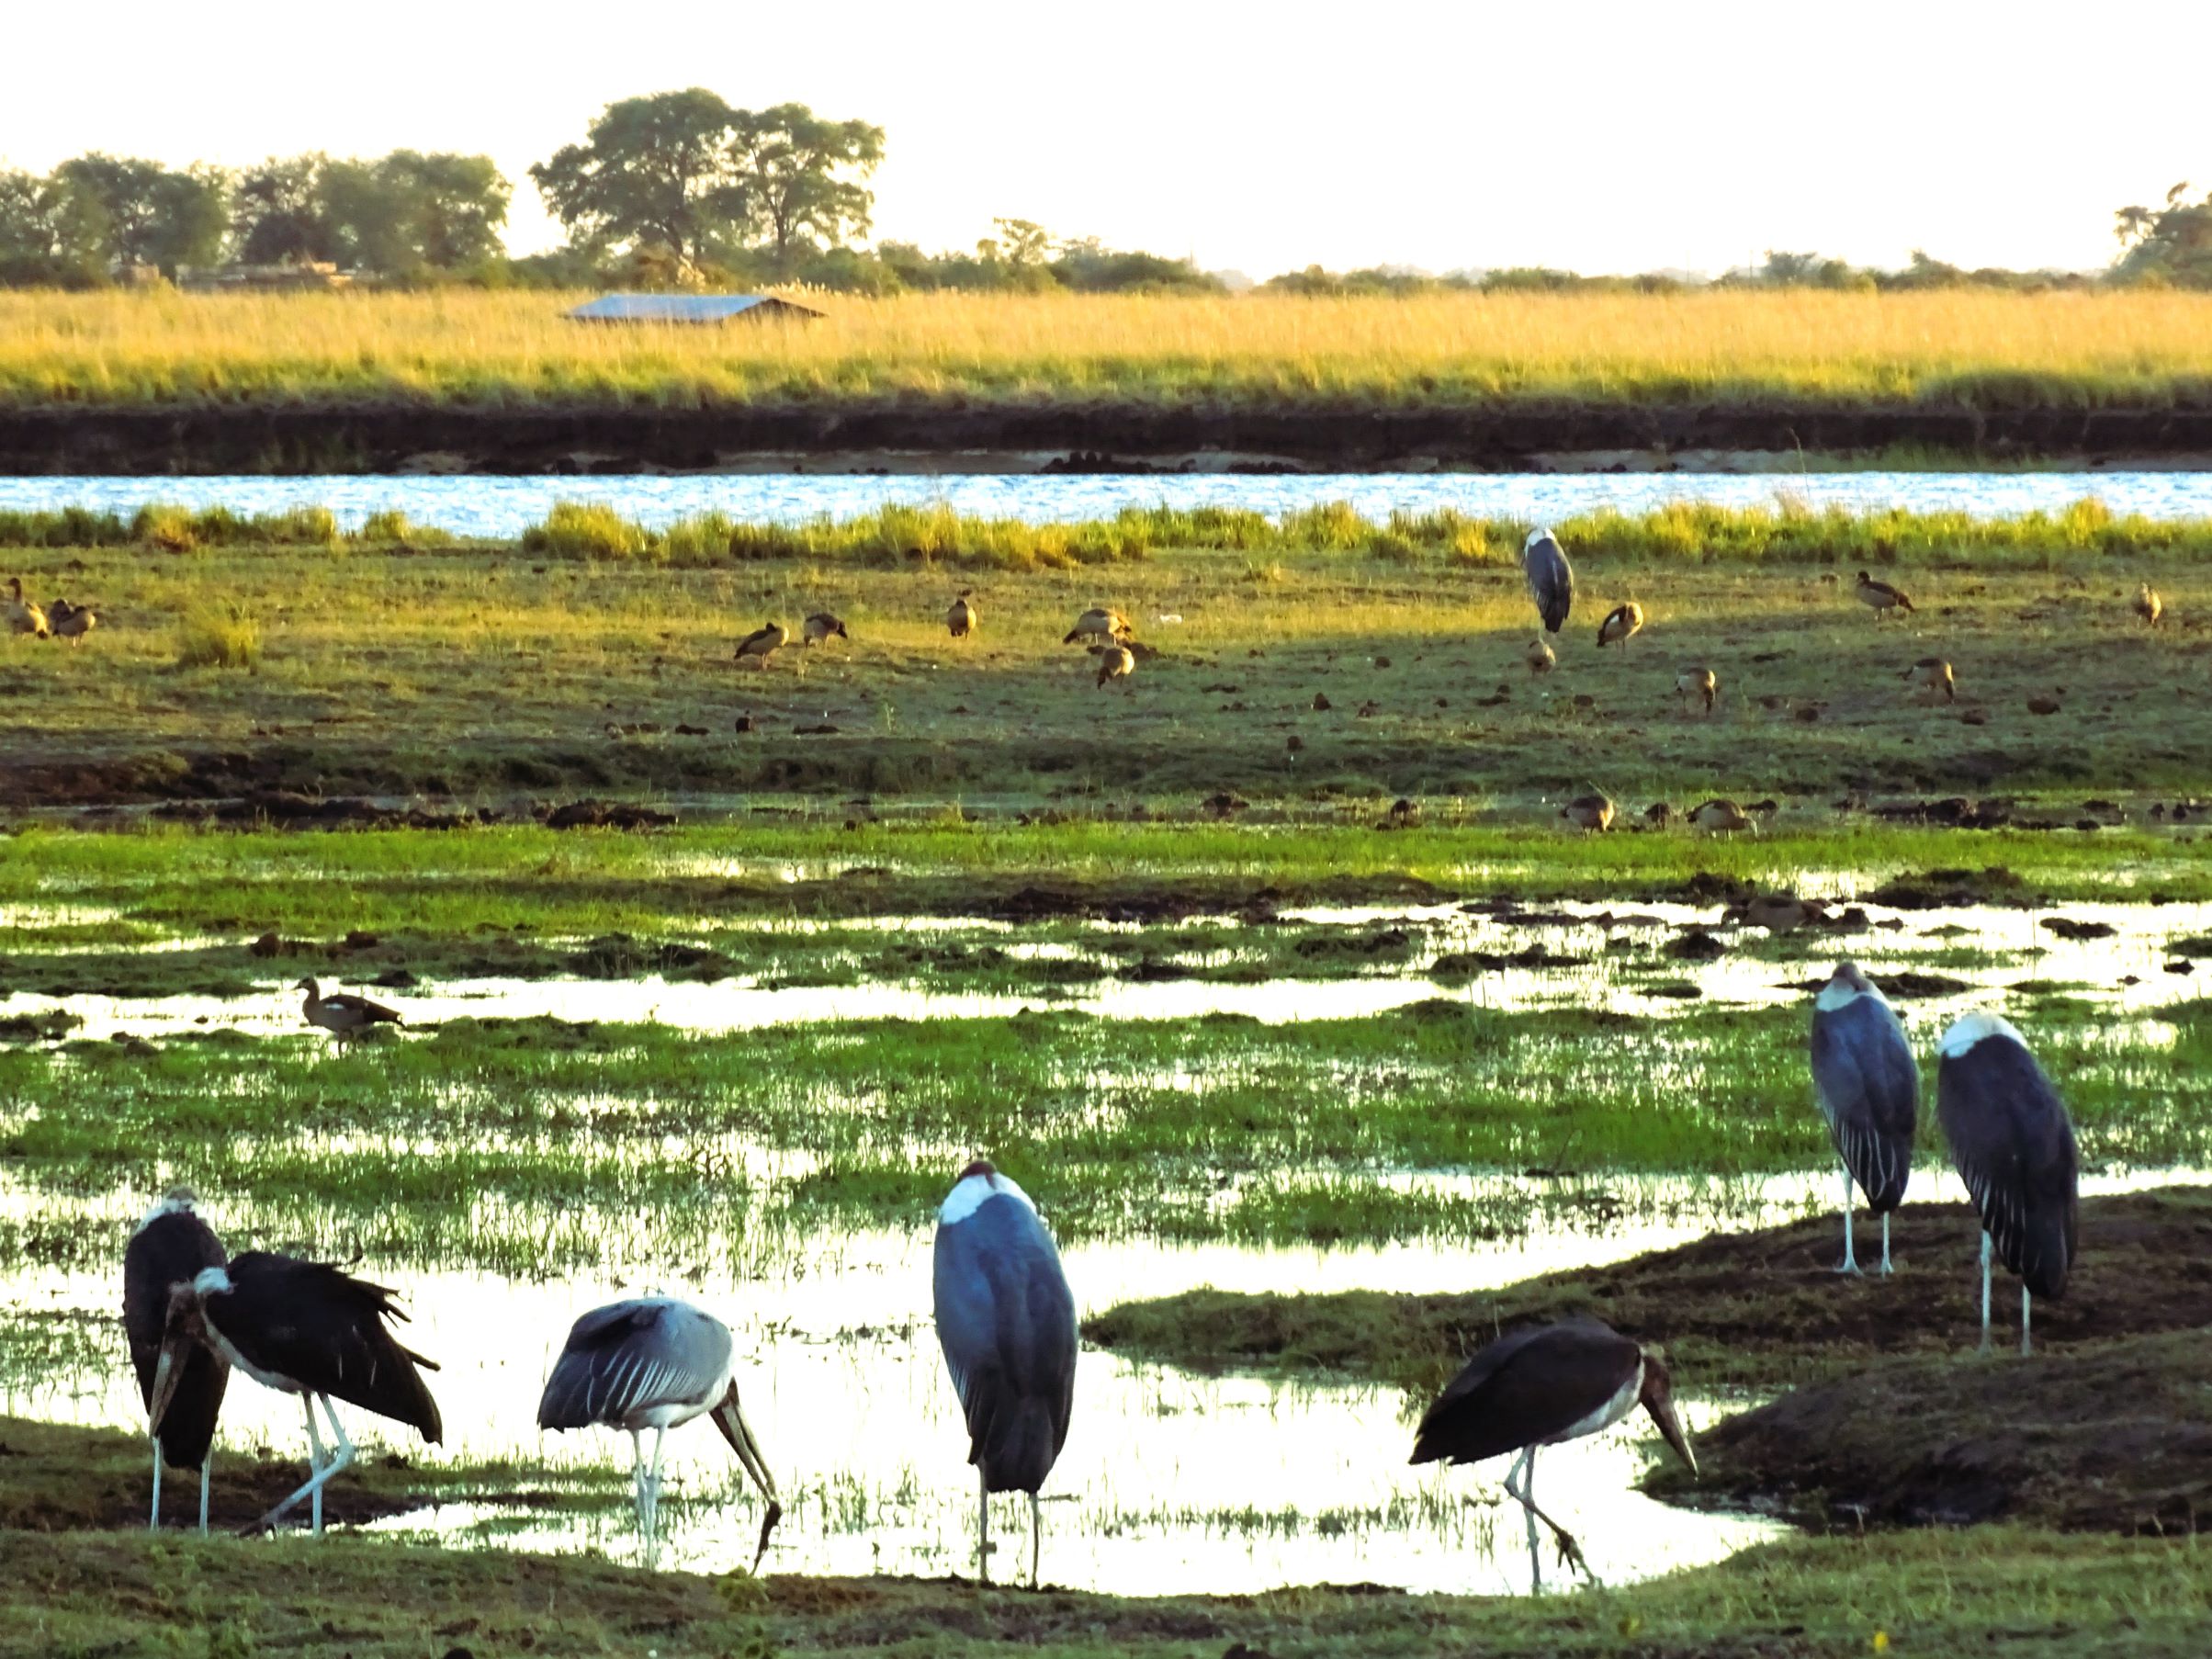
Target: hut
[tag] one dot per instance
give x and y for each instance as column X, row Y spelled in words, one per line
column 693, row 310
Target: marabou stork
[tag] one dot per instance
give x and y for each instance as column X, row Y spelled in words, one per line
column 1007, row 1322
column 653, row 1362
column 2014, row 1145
column 171, row 1248
column 1541, row 1385
column 1868, row 1086
column 304, row 1328
column 1551, row 580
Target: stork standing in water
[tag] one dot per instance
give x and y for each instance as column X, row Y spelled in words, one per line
column 654, row 1363
column 1007, row 1322
column 1541, row 1385
column 1551, row 580
column 2014, row 1145
column 1868, row 1086
column 171, row 1248
column 303, row 1328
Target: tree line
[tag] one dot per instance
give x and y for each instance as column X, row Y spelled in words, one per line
column 683, row 189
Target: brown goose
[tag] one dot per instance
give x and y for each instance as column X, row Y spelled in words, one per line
column 72, row 622
column 1721, row 815
column 1619, row 623
column 1591, row 812
column 1540, row 658
column 1698, row 684
column 1098, row 624
column 2148, row 605
column 1880, row 598
column 342, row 1013
column 1116, row 662
column 764, row 643
column 1778, row 913
column 959, row 618
column 822, row 625
column 1930, row 678
column 23, row 616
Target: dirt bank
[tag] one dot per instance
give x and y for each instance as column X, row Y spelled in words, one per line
column 1100, row 436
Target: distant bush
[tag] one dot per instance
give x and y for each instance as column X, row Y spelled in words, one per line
column 589, row 530
column 218, row 637
column 391, row 527
column 173, row 529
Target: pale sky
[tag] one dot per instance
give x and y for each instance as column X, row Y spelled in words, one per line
column 1255, row 137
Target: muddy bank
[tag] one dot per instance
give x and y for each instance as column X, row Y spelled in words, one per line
column 2116, row 1437
column 1098, row 436
column 1760, row 1309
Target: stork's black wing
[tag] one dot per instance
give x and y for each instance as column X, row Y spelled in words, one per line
column 327, row 1331
column 1869, row 1092
column 1529, row 1386
column 1007, row 1322
column 171, row 1248
column 2014, row 1145
column 631, row 1356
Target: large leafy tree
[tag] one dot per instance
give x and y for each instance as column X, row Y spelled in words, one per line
column 2172, row 243
column 145, row 213
column 407, row 211
column 797, row 175
column 276, row 211
column 651, row 169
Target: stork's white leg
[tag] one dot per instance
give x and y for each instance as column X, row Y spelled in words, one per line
column 1850, row 1262
column 1886, row 1268
column 321, row 1477
column 1985, row 1293
column 206, row 1477
column 638, row 1481
column 983, row 1526
column 653, row 1493
column 1036, row 1538
column 2023, row 1301
column 314, row 1463
column 1570, row 1551
column 1523, row 1469
column 154, row 1524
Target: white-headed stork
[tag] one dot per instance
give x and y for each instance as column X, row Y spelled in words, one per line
column 1007, row 1322
column 653, row 1362
column 1551, row 580
column 1541, row 1385
column 171, row 1248
column 303, row 1328
column 1868, row 1086
column 2014, row 1145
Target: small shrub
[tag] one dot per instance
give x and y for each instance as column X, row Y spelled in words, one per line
column 222, row 637
column 165, row 529
column 589, row 530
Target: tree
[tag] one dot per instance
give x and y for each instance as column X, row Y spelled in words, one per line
column 409, row 212
column 785, row 163
column 276, row 212
column 147, row 214
column 1026, row 243
column 2172, row 243
column 654, row 169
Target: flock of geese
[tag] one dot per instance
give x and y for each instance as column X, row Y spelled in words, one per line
column 1106, row 632
column 60, row 620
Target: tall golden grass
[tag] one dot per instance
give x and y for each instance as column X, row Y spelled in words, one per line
column 479, row 347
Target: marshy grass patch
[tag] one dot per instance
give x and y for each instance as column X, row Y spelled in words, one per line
column 224, row 637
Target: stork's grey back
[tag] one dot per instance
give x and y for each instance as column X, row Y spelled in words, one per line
column 1007, row 1322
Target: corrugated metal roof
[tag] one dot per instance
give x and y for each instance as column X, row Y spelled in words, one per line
column 680, row 308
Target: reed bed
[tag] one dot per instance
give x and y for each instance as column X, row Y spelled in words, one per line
column 1986, row 349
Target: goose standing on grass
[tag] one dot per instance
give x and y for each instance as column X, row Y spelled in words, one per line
column 820, row 626
column 654, row 1363
column 1932, row 680
column 303, row 1328
column 1720, row 815
column 23, row 616
column 1880, row 598
column 171, row 1248
column 1542, row 1385
column 1116, row 662
column 1099, row 622
column 2014, row 1145
column 764, row 643
column 1551, row 580
column 1621, row 623
column 1007, row 1322
column 961, row 616
column 71, row 622
column 1591, row 812
column 1540, row 658
column 1868, row 1086
column 1698, row 686
column 2148, row 605
column 342, row 1013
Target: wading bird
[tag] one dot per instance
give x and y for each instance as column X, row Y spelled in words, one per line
column 1541, row 1385
column 1880, row 598
column 654, row 1363
column 1720, row 815
column 2014, row 1147
column 1550, row 579
column 1700, row 685
column 2148, row 605
column 71, row 622
column 822, row 625
column 1620, row 623
column 23, row 616
column 171, row 1248
column 303, row 1328
column 342, row 1013
column 1592, row 812
column 763, row 643
column 1098, row 624
column 1540, row 658
column 1116, row 662
column 961, row 618
column 1868, row 1086
column 1007, row 1323
column 1931, row 679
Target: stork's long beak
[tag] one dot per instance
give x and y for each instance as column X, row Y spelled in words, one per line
column 1670, row 1429
column 168, row 1371
column 729, row 1417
